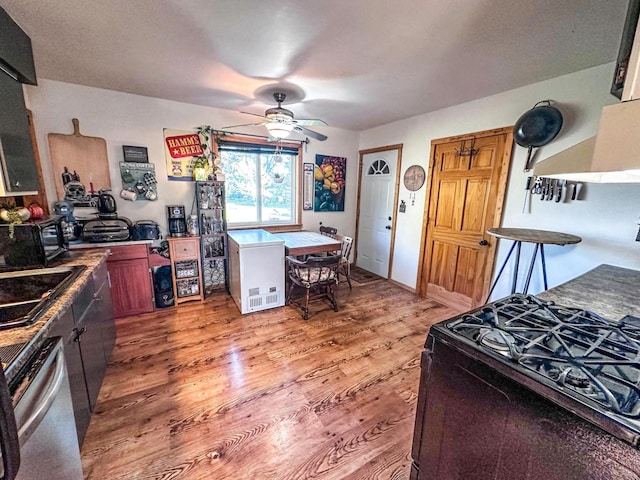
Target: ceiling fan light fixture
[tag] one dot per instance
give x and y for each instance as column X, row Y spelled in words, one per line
column 279, row 129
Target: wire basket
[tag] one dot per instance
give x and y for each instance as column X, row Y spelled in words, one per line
column 187, row 288
column 186, row 268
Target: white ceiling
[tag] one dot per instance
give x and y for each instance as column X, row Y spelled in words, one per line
column 354, row 63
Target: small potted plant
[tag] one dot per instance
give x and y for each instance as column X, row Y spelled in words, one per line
column 278, row 178
column 200, row 167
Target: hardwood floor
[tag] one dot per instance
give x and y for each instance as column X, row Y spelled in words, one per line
column 202, row 392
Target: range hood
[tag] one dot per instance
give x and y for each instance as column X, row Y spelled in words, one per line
column 612, row 156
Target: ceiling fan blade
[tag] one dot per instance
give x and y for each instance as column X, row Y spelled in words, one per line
column 311, row 122
column 311, row 133
column 245, row 125
column 254, row 114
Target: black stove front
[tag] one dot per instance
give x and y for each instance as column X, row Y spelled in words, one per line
column 522, row 388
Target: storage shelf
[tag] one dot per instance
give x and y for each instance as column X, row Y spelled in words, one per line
column 186, row 268
column 210, row 202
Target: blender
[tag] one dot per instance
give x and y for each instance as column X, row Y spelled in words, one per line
column 71, row 228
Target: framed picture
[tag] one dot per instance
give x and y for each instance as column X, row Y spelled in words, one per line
column 330, row 175
column 135, row 154
column 308, row 185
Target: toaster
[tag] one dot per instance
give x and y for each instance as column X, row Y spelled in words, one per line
column 146, row 230
column 116, row 229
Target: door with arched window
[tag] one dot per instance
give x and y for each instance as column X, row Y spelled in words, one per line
column 376, row 207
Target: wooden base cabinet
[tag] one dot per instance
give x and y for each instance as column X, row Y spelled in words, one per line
column 131, row 282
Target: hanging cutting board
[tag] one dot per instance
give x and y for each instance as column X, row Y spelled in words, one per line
column 86, row 156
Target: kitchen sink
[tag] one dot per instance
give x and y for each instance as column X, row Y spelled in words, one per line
column 26, row 294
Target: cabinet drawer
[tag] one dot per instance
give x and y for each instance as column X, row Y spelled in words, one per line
column 127, row 252
column 185, row 249
column 82, row 302
column 100, row 275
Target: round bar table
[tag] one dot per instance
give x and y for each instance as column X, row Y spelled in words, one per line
column 527, row 235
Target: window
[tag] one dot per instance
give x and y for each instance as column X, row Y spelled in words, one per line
column 260, row 182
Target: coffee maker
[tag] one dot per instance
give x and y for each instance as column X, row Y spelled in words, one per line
column 177, row 221
column 71, row 228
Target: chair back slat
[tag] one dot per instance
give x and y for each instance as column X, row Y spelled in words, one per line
column 347, row 243
column 328, row 231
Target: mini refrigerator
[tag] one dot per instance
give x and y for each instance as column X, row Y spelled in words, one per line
column 256, row 270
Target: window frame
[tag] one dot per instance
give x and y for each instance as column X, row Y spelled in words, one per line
column 296, row 181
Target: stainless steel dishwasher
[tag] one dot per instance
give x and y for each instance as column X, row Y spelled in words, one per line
column 44, row 417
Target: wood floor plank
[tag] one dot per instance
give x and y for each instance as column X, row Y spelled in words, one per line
column 202, row 392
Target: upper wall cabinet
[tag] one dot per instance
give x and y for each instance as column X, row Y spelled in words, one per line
column 16, row 58
column 19, row 175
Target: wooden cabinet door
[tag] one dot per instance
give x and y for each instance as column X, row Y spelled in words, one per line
column 92, row 351
column 465, row 199
column 130, row 287
column 105, row 318
column 64, row 327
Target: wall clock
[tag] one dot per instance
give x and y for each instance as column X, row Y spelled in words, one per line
column 414, row 178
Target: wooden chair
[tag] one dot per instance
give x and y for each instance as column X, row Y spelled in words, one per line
column 329, row 231
column 344, row 268
column 317, row 276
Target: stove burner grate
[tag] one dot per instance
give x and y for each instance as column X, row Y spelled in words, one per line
column 583, row 354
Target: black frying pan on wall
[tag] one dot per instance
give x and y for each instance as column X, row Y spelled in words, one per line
column 537, row 127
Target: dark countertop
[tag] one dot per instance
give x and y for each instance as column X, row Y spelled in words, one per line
column 34, row 335
column 609, row 291
column 86, row 245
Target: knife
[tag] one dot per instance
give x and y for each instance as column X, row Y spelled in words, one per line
column 552, row 187
column 571, row 191
column 559, row 186
column 527, row 194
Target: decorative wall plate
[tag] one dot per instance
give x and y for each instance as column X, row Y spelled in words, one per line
column 414, row 178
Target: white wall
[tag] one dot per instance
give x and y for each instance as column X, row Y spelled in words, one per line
column 607, row 218
column 126, row 119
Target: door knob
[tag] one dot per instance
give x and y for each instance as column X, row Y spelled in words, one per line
column 483, row 242
column 389, row 218
column 388, row 227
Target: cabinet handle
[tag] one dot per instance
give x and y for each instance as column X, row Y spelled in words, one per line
column 79, row 332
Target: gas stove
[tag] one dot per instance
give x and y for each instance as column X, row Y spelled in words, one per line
column 576, row 352
column 525, row 388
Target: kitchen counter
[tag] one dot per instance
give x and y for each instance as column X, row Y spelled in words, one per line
column 609, row 291
column 34, row 335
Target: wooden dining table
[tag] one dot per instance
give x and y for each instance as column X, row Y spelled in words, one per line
column 307, row 243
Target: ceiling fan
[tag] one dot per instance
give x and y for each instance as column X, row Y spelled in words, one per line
column 280, row 122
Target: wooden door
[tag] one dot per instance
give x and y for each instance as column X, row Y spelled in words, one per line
column 467, row 182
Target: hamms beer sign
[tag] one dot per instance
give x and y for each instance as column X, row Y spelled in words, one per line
column 180, row 147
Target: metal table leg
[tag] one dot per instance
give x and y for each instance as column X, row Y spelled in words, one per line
column 514, row 280
column 531, row 264
column 493, row 286
column 544, row 266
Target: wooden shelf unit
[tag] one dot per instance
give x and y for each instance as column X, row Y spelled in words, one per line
column 186, row 271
